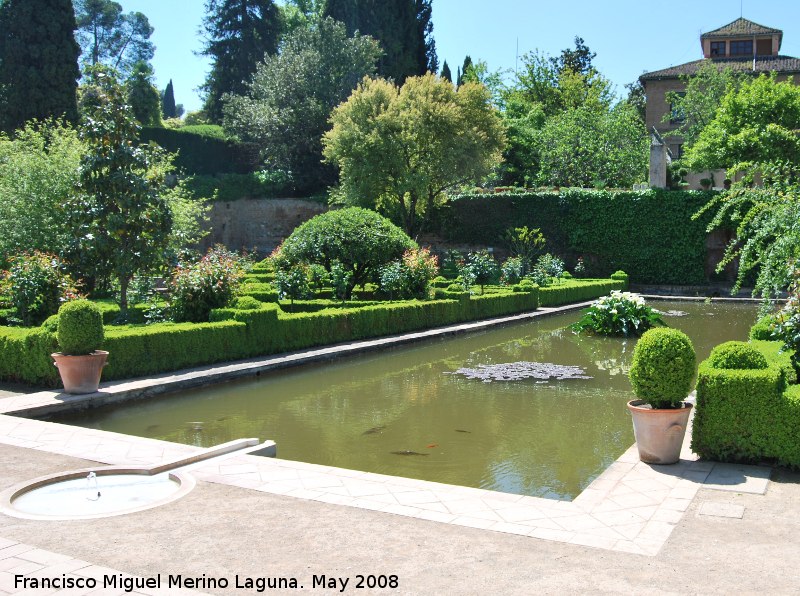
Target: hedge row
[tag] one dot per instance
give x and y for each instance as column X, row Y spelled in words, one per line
column 649, row 234
column 204, row 154
column 749, row 415
column 236, row 334
column 578, row 291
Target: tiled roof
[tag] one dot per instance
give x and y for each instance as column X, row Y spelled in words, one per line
column 779, row 64
column 741, row 27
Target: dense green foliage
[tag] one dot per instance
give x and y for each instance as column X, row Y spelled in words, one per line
column 663, row 367
column 383, row 143
column 142, row 95
column 359, row 240
column 286, row 106
column 109, row 36
column 403, row 28
column 38, row 62
column 755, row 123
column 736, row 355
column 785, row 325
column 649, row 234
column 38, row 172
column 119, row 220
column 36, row 285
column 767, row 221
column 212, row 282
column 411, row 276
column 619, row 313
column 748, row 415
column 203, row 150
column 239, row 34
column 80, row 328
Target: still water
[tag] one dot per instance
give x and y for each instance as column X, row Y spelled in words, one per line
column 402, row 412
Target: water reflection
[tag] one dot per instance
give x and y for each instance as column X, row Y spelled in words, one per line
column 370, row 412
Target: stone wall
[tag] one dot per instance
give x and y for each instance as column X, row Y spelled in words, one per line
column 257, row 224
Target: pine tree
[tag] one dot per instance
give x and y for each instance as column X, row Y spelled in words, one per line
column 403, row 28
column 38, row 61
column 446, row 74
column 240, row 33
column 168, row 107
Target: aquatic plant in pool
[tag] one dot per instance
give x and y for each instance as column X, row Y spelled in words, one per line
column 619, row 313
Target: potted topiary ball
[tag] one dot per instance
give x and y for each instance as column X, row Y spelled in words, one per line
column 80, row 334
column 663, row 367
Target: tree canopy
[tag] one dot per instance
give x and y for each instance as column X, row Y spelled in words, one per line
column 109, row 36
column 38, row 61
column 239, row 33
column 756, row 123
column 143, row 97
column 399, row 149
column 403, row 28
column 286, row 108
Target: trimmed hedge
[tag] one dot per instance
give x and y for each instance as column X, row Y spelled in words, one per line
column 202, row 153
column 649, row 234
column 579, row 291
column 749, row 414
column 232, row 334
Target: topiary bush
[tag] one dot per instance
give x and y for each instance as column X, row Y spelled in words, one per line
column 247, row 303
column 620, row 275
column 737, row 355
column 80, row 328
column 663, row 367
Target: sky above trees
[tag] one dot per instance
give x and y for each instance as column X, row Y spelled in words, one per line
column 629, row 36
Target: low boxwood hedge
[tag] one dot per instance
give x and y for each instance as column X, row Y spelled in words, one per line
column 749, row 415
column 232, row 334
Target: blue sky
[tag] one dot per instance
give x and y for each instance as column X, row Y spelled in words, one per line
column 629, row 36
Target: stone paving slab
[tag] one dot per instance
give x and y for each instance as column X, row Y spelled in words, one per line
column 715, row 509
column 739, row 478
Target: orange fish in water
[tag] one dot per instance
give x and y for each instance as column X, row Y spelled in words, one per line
column 433, row 445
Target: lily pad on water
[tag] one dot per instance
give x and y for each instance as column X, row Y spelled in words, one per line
column 517, row 371
column 672, row 313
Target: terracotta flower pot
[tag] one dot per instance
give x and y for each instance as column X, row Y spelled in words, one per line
column 81, row 374
column 659, row 433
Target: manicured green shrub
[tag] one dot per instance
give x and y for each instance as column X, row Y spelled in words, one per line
column 50, row 324
column 25, row 356
column 620, row 275
column 247, row 303
column 748, row 415
column 201, row 151
column 663, row 367
column 80, row 328
column 763, row 328
column 737, row 355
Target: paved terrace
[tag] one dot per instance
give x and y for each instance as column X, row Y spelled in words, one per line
column 688, row 528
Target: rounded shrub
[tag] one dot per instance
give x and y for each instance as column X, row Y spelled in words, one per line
column 763, row 328
column 455, row 288
column 663, row 367
column 80, row 327
column 50, row 324
column 737, row 355
column 620, row 275
column 247, row 303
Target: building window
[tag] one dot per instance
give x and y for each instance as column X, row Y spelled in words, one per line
column 718, row 48
column 739, row 48
column 676, row 113
column 676, row 150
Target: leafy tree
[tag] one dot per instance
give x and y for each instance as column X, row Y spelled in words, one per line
column 578, row 60
column 400, row 149
column 482, row 267
column 300, row 14
column 698, row 104
column 403, row 28
column 293, row 283
column 585, row 147
column 109, row 36
column 143, row 97
column 119, row 221
column 446, row 74
column 756, row 123
column 168, row 107
column 38, row 62
column 352, row 244
column 767, row 220
column 637, row 98
column 240, row 33
column 290, row 99
column 38, row 172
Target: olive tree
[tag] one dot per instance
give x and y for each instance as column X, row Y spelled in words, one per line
column 358, row 240
column 399, row 149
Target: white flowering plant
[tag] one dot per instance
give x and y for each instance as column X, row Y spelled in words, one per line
column 619, row 313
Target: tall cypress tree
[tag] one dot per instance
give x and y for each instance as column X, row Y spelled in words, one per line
column 403, row 28
column 38, row 61
column 168, row 107
column 446, row 74
column 240, row 33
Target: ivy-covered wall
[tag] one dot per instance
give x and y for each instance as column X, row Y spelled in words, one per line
column 648, row 234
